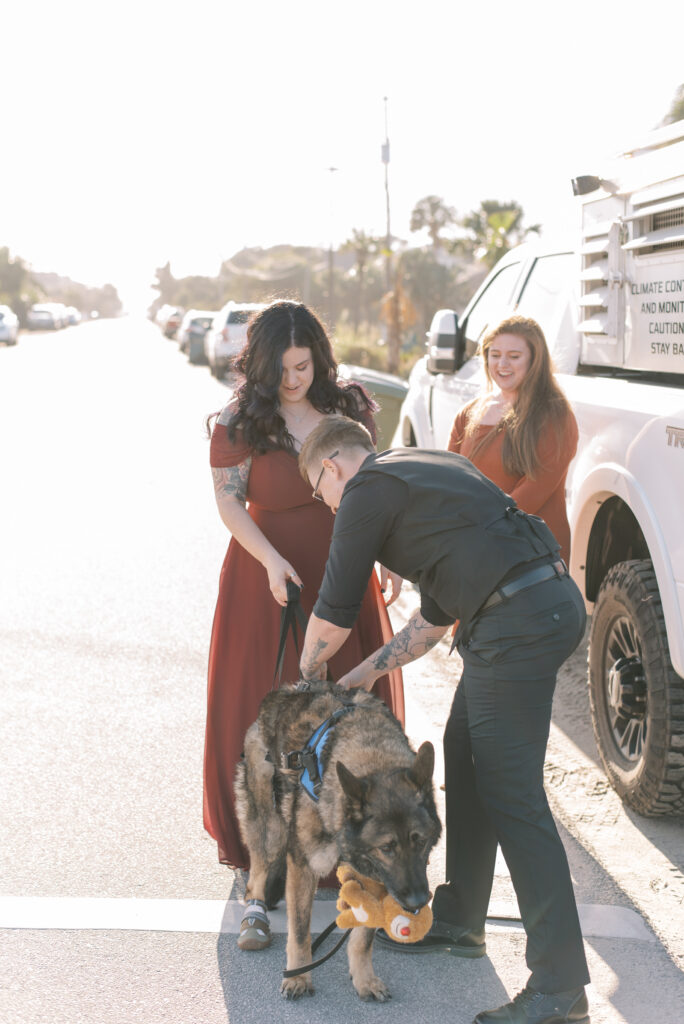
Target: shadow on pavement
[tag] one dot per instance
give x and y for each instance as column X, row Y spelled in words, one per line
column 424, row 988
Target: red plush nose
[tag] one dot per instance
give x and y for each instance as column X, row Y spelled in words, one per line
column 405, row 930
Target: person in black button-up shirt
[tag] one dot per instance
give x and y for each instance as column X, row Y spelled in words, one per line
column 434, row 519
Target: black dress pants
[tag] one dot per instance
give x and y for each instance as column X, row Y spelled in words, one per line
column 494, row 748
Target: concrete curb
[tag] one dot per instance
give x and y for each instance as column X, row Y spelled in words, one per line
column 66, row 913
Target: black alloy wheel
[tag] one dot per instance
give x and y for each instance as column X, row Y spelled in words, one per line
column 637, row 699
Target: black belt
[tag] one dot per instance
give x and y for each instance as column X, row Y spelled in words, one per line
column 528, row 579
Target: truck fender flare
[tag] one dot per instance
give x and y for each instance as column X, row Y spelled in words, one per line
column 613, row 480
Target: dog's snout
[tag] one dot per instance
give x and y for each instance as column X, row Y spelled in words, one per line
column 414, row 900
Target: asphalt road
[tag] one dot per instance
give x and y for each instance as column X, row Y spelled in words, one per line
column 113, row 907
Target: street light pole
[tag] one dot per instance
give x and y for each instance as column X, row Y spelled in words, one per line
column 388, row 236
column 331, row 275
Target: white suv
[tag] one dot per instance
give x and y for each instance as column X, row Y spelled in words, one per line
column 227, row 335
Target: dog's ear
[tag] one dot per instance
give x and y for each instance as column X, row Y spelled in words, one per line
column 354, row 788
column 420, row 772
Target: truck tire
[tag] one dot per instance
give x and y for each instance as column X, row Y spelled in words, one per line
column 637, row 698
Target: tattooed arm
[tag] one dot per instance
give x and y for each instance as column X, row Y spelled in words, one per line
column 413, row 641
column 322, row 640
column 230, row 488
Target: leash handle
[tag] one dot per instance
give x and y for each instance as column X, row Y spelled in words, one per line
column 316, row 943
column 290, row 615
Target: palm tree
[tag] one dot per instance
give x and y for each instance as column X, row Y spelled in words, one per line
column 433, row 214
column 493, row 230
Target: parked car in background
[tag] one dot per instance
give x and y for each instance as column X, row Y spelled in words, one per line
column 162, row 315
column 387, row 390
column 73, row 316
column 227, row 335
column 43, row 317
column 190, row 336
column 61, row 314
column 59, row 311
column 172, row 323
column 9, row 325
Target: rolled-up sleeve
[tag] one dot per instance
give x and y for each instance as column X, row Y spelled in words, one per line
column 432, row 612
column 366, row 516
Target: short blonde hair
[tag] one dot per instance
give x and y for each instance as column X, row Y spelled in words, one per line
column 332, row 433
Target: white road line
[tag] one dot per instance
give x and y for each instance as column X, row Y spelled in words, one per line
column 66, row 913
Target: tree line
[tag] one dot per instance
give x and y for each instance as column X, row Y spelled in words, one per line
column 21, row 288
column 378, row 303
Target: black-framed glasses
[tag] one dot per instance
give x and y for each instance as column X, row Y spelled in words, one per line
column 314, row 493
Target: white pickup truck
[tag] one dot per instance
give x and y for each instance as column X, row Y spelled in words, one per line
column 611, row 304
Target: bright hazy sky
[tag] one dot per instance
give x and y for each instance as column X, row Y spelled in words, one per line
column 136, row 132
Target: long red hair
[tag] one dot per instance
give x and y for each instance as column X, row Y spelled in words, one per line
column 540, row 405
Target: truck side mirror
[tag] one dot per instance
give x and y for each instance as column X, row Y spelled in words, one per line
column 442, row 341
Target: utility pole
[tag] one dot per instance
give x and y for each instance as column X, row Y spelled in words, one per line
column 388, row 236
column 331, row 275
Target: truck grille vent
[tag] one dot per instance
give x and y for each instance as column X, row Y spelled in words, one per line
column 598, row 309
column 669, row 219
column 657, row 227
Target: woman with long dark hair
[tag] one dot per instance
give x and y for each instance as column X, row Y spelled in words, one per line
column 279, row 532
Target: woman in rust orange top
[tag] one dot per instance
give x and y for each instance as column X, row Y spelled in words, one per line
column 521, row 433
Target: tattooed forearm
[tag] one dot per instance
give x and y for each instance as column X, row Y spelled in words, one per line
column 312, row 660
column 416, row 638
column 231, row 481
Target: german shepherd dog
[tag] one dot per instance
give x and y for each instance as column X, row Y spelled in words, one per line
column 375, row 811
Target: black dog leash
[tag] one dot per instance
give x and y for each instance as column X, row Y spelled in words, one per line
column 290, row 615
column 314, row 946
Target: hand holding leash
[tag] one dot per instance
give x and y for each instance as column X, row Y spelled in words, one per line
column 279, row 572
column 319, row 676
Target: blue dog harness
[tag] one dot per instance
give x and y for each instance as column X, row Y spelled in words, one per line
column 309, row 760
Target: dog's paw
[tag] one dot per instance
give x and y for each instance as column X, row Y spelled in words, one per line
column 373, row 988
column 295, row 988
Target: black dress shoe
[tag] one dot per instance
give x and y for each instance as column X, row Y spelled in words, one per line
column 530, row 1007
column 442, row 936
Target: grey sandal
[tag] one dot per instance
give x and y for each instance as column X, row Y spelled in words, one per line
column 255, row 930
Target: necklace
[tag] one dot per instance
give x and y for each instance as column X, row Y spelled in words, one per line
column 289, row 416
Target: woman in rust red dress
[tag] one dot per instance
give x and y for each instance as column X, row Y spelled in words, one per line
column 521, row 433
column 279, row 533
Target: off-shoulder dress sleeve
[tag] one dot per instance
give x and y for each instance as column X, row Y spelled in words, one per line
column 222, row 451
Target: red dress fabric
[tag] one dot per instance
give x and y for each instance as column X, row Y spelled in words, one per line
column 246, row 628
column 544, row 496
